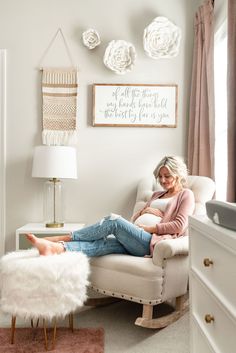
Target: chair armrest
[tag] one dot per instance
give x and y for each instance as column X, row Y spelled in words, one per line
column 170, row 247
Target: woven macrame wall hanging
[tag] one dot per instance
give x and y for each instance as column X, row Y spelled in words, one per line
column 59, row 89
column 59, row 92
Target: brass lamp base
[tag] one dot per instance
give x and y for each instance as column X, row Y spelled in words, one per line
column 54, row 225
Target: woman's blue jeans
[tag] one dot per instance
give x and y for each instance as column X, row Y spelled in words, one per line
column 110, row 236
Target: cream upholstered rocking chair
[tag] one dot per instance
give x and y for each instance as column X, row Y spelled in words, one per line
column 151, row 281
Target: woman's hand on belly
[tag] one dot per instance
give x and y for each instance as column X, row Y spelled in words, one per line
column 149, row 229
column 154, row 211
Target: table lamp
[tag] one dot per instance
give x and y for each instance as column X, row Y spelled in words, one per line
column 54, row 163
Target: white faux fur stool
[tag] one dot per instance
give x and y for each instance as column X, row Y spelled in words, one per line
column 43, row 287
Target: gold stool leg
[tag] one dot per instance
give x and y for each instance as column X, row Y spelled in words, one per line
column 13, row 326
column 71, row 322
column 54, row 333
column 45, row 335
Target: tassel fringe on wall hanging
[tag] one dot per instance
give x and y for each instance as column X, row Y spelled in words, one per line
column 59, row 90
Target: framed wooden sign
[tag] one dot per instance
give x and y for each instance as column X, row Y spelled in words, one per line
column 138, row 105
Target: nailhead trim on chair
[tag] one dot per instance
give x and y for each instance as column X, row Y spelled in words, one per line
column 123, row 296
column 163, row 275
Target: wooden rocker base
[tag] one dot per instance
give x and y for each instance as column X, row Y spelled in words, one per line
column 148, row 321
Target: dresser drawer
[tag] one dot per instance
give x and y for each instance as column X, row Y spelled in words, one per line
column 199, row 342
column 215, row 264
column 221, row 326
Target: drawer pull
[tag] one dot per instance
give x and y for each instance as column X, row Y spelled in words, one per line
column 207, row 262
column 209, row 318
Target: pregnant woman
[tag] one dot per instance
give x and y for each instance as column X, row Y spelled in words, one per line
column 164, row 216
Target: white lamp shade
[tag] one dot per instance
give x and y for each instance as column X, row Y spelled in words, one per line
column 54, row 162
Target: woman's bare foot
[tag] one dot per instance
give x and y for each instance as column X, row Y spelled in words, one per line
column 45, row 247
column 56, row 238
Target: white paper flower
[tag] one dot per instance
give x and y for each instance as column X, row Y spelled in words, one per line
column 119, row 56
column 91, row 38
column 161, row 38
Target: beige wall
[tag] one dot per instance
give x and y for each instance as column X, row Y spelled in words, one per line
column 110, row 160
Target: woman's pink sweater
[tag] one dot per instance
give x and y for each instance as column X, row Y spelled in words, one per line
column 175, row 220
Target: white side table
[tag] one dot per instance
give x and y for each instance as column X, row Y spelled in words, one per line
column 41, row 230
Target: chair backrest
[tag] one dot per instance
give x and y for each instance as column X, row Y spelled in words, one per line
column 202, row 187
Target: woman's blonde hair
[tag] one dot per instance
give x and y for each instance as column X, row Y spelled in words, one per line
column 176, row 167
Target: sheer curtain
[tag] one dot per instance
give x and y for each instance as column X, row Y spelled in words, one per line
column 201, row 135
column 220, row 69
column 231, row 91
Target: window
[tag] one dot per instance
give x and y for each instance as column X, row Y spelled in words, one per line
column 220, row 70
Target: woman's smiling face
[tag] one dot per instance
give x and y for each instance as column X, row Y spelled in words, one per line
column 166, row 180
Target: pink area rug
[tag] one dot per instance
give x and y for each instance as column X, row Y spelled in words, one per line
column 28, row 340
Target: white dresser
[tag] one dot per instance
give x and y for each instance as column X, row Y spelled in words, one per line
column 212, row 287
